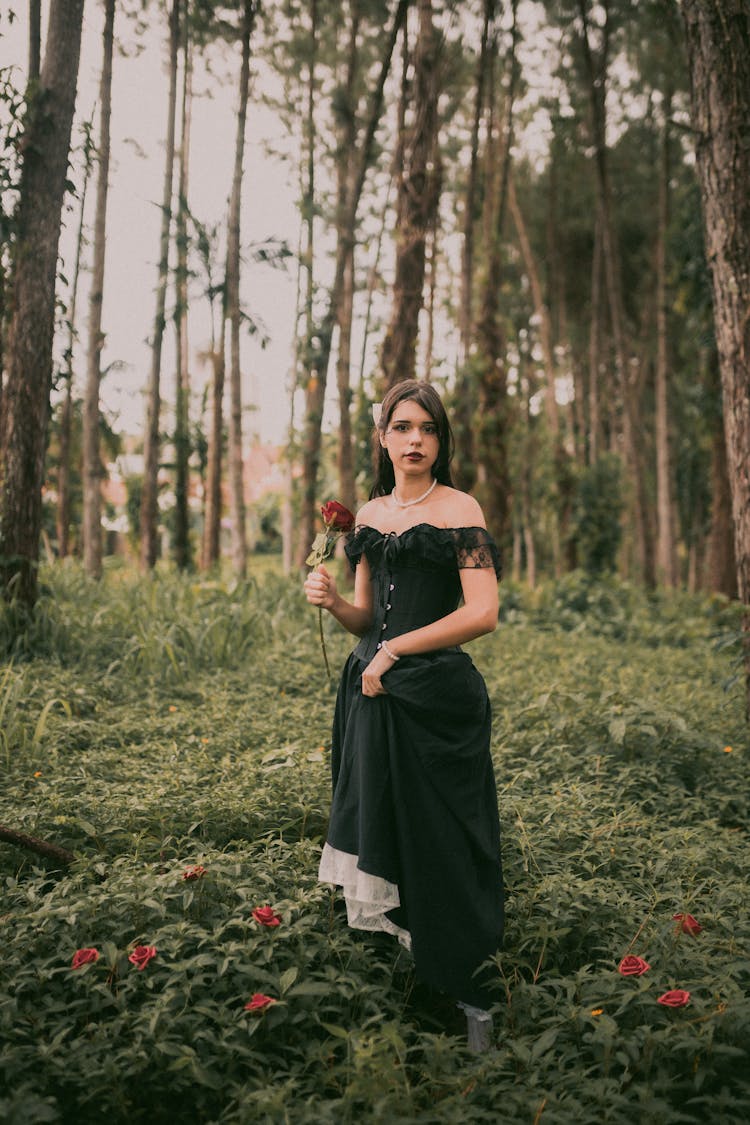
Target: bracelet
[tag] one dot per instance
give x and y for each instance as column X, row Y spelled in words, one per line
column 391, row 655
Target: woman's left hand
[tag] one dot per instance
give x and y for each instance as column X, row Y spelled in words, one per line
column 371, row 677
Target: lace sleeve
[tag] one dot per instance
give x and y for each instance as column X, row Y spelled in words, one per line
column 356, row 543
column 475, row 547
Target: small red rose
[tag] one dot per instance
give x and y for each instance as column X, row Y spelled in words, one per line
column 632, row 966
column 83, row 957
column 686, row 924
column 192, row 873
column 265, row 916
column 336, row 516
column 258, row 1003
column 677, row 998
column 141, row 956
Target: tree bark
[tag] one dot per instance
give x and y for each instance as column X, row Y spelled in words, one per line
column 718, row 39
column 34, row 844
column 181, row 544
column 234, row 312
column 35, row 38
column 23, row 429
column 595, row 338
column 666, row 557
column 92, row 458
column 420, row 192
column 315, row 394
column 722, row 569
column 149, row 515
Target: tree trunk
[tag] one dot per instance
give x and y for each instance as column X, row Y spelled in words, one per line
column 92, row 458
column 722, row 569
column 595, row 338
column 212, row 523
column 35, row 38
column 596, row 73
column 718, row 37
column 465, row 471
column 494, row 408
column 236, row 483
column 420, row 193
column 66, row 414
column 315, row 394
column 181, row 544
column 666, row 557
column 25, row 412
column 149, row 515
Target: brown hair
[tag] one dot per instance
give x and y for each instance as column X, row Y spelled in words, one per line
column 425, row 395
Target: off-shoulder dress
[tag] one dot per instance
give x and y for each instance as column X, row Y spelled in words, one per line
column 414, row 837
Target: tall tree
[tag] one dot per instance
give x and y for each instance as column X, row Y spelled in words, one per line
column 321, row 346
column 181, row 542
column 666, row 556
column 149, row 497
column 23, row 426
column 419, row 191
column 35, row 38
column 718, row 38
column 92, row 459
column 233, row 309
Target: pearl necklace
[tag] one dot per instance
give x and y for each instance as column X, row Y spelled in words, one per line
column 419, row 499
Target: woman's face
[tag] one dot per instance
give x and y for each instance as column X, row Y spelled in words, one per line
column 411, row 438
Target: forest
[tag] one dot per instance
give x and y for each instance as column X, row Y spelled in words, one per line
column 226, row 231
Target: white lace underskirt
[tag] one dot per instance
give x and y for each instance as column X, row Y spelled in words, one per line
column 368, row 897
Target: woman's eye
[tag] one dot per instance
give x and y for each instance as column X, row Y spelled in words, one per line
column 429, row 429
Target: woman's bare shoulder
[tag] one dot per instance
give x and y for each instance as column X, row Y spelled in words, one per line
column 371, row 512
column 461, row 509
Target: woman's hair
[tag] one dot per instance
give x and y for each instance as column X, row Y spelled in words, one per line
column 425, row 395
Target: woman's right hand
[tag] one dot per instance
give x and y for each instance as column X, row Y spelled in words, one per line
column 320, row 588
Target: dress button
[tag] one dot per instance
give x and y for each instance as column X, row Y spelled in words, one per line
column 379, row 644
column 391, row 587
column 383, row 626
column 388, row 606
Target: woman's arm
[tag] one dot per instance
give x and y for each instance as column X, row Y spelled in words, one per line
column 478, row 615
column 356, row 617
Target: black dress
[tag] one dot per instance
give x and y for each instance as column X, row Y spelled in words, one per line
column 414, row 837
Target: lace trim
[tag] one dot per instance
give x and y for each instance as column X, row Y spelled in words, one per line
column 449, row 547
column 368, row 897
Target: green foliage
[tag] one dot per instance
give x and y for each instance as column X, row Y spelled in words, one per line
column 596, row 519
column 150, row 725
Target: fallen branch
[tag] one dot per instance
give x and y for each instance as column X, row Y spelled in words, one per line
column 41, row 847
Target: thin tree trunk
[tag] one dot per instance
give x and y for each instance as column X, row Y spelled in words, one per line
column 420, row 191
column 181, row 545
column 236, row 483
column 35, row 38
column 66, row 414
column 595, row 338
column 666, row 557
column 718, row 37
column 315, row 394
column 92, row 458
column 722, row 569
column 149, row 514
column 494, row 414
column 597, row 80
column 23, row 429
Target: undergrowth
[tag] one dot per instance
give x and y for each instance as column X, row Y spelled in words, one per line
column 153, row 725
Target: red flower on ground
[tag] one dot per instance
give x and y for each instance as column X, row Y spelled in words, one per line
column 141, row 956
column 677, row 998
column 686, row 924
column 258, row 1003
column 83, row 957
column 191, row 873
column 632, row 966
column 336, row 516
column 266, row 916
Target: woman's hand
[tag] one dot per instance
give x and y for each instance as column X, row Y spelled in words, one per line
column 320, row 588
column 371, row 677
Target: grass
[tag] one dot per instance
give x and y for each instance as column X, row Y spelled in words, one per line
column 153, row 725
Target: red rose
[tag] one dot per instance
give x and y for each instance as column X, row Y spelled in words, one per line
column 266, row 916
column 258, row 1003
column 686, row 924
column 83, row 957
column 336, row 516
column 677, row 998
column 191, row 873
column 141, row 956
column 632, row 966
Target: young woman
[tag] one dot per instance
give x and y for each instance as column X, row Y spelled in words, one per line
column 414, row 836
